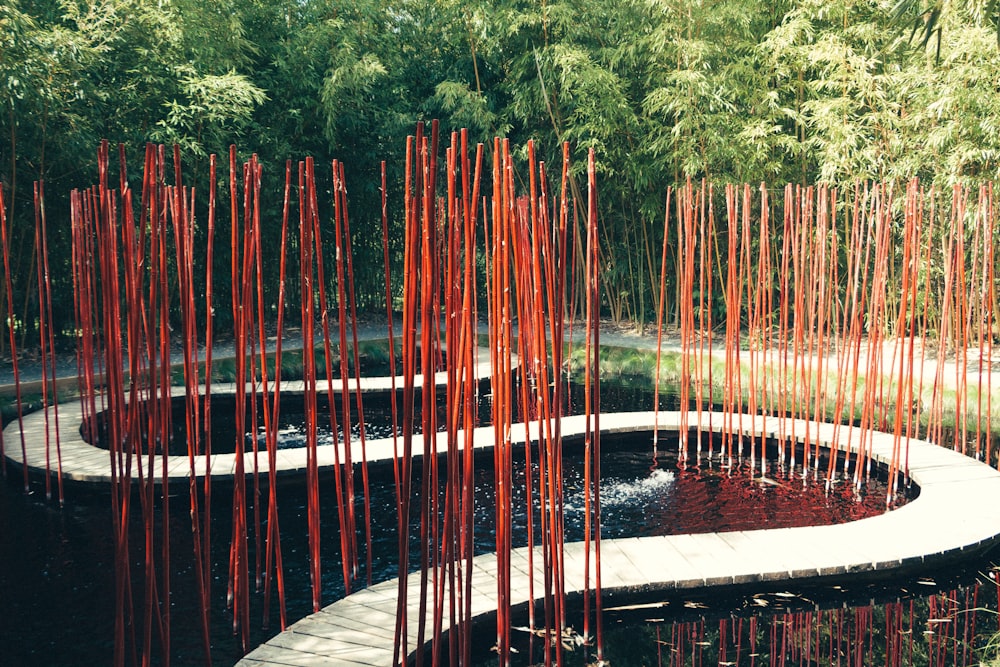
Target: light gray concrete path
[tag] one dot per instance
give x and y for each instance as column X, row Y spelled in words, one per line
column 956, row 513
column 79, row 461
column 30, row 369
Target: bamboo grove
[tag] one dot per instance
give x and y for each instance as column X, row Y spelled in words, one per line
column 808, row 301
column 732, row 91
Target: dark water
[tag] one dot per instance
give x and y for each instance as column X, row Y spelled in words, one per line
column 57, row 584
column 942, row 618
column 292, row 433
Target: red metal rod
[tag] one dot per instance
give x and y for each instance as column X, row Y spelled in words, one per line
column 253, row 242
column 556, row 475
column 472, row 391
column 183, row 242
column 10, row 333
column 50, row 342
column 408, row 334
column 273, row 545
column 595, row 404
column 43, row 342
column 732, row 323
column 392, row 338
column 239, row 592
column 209, row 349
column 309, row 221
column 428, row 338
column 342, row 189
column 306, row 211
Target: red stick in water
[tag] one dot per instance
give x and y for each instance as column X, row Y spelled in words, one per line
column 341, row 189
column 206, row 546
column 594, row 405
column 8, row 288
column 43, row 336
column 309, row 377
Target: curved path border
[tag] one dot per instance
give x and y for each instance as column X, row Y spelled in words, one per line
column 957, row 513
column 85, row 463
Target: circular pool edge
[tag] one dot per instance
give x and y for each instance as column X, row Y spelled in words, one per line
column 80, row 462
column 957, row 513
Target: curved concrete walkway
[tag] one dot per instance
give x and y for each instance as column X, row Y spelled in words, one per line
column 83, row 462
column 956, row 514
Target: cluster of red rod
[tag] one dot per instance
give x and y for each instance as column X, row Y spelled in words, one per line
column 809, row 305
column 46, row 340
column 122, row 300
column 125, row 282
column 526, row 264
column 828, row 313
column 894, row 634
column 530, row 247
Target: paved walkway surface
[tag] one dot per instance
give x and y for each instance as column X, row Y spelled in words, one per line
column 957, row 513
column 79, row 461
column 30, row 369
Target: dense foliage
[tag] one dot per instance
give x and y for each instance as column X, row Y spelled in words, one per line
column 790, row 90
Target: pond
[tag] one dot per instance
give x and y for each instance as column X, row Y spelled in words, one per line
column 941, row 618
column 57, row 580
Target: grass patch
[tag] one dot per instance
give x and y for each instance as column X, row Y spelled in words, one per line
column 632, row 365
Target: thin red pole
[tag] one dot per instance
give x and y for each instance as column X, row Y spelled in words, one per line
column 274, row 560
column 209, row 345
column 348, row 536
column 408, row 334
column 306, row 228
column 596, row 393
column 341, row 189
column 309, row 216
column 43, row 337
column 8, row 288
